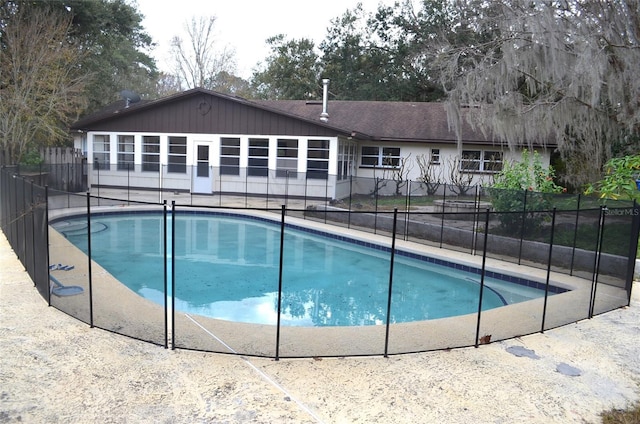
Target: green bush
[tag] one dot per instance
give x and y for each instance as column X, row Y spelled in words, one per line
column 524, row 187
column 31, row 157
column 619, row 180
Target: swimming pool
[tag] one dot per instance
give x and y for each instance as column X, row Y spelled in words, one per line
column 227, row 267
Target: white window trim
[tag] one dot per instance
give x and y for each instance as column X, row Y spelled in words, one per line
column 381, row 157
column 283, row 171
column 432, row 154
column 103, row 165
column 126, row 164
column 144, row 155
column 482, row 162
column 256, row 171
column 318, row 173
column 177, row 155
column 237, row 156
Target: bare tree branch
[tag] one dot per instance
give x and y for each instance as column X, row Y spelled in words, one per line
column 41, row 84
column 201, row 61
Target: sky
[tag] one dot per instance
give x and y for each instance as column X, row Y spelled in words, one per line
column 244, row 25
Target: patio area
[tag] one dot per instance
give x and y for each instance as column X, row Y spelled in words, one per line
column 54, row 368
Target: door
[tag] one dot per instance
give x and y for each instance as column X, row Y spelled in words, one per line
column 203, row 175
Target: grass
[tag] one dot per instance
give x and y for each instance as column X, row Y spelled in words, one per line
column 631, row 415
column 586, row 238
column 386, row 203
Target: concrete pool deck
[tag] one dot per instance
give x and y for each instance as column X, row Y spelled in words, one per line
column 54, row 368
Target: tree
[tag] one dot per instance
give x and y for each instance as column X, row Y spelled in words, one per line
column 291, row 71
column 112, row 43
column 347, row 61
column 224, row 82
column 382, row 56
column 400, row 174
column 199, row 61
column 460, row 182
column 41, row 85
column 430, row 174
column 551, row 71
column 167, row 84
column 405, row 35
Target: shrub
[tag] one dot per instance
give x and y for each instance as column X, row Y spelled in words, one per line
column 526, row 187
column 619, row 181
column 31, row 157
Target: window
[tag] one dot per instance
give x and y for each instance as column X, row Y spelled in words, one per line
column 126, row 145
column 101, row 151
column 229, row 156
column 380, row 157
column 202, row 161
column 346, row 159
column 318, row 159
column 177, row 160
column 481, row 161
column 435, row 157
column 151, row 153
column 492, row 161
column 258, row 157
column 287, row 163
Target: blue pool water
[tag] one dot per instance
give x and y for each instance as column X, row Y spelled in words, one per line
column 226, row 267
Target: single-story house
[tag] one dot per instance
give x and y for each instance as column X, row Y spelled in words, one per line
column 201, row 141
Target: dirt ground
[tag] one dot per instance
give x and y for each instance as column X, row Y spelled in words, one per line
column 55, row 369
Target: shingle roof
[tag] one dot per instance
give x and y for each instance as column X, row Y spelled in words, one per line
column 389, row 121
column 107, row 112
column 373, row 120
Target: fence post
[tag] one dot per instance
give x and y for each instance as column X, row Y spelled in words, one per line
column 476, row 209
column 160, row 171
column 482, row 272
column 97, row 166
column 546, row 286
column 326, row 197
column 23, row 216
column 350, row 200
column 89, row 270
column 393, row 253
column 596, row 262
column 633, row 248
column 277, row 358
column 33, row 234
column 444, row 201
column 173, row 275
column 15, row 217
column 524, row 222
column 375, row 217
column 46, row 237
column 286, row 189
column 267, row 194
column 246, row 186
column 164, row 266
column 306, row 185
column 575, row 235
column 406, row 212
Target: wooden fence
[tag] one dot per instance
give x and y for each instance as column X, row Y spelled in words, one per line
column 63, row 168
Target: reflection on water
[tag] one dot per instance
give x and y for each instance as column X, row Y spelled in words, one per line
column 227, row 268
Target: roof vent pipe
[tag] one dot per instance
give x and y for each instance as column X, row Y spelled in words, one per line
column 324, row 116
